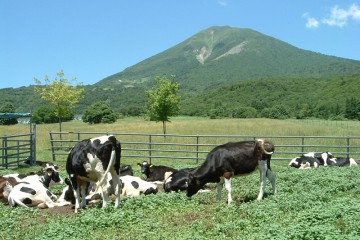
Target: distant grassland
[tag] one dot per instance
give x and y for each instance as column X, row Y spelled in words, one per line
column 192, row 126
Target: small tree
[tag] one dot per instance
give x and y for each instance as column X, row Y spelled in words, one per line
column 60, row 94
column 163, row 100
column 99, row 112
column 8, row 108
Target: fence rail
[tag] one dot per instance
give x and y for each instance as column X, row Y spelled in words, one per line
column 14, row 149
column 195, row 147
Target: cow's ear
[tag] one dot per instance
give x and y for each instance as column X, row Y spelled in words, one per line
column 56, row 167
column 139, row 164
column 151, row 165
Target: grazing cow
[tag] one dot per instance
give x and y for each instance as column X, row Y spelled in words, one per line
column 230, row 160
column 177, row 181
column 304, row 162
column 156, row 173
column 47, row 178
column 323, row 157
column 134, row 186
column 343, row 162
column 90, row 161
column 26, row 194
column 3, row 181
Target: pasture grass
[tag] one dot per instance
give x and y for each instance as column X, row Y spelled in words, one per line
column 320, row 203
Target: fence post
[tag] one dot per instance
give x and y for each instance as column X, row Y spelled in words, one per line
column 197, row 149
column 348, row 146
column 302, row 144
column 52, row 146
column 5, row 152
column 33, row 145
column 150, row 148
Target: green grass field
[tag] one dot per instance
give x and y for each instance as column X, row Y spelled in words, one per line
column 320, row 203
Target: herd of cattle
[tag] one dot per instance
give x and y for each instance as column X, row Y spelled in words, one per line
column 93, row 167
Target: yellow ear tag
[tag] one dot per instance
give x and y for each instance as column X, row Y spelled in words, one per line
column 151, row 165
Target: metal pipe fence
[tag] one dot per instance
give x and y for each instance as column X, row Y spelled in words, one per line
column 14, row 149
column 144, row 146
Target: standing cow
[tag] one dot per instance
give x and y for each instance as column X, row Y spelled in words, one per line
column 230, row 160
column 90, row 161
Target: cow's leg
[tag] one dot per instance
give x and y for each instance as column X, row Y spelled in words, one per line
column 83, row 188
column 228, row 189
column 74, row 183
column 271, row 176
column 263, row 170
column 117, row 187
column 219, row 188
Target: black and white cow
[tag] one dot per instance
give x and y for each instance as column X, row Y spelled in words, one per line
column 48, row 177
column 31, row 195
column 90, row 161
column 177, row 181
column 343, row 162
column 304, row 162
column 155, row 173
column 132, row 186
column 230, row 160
column 323, row 157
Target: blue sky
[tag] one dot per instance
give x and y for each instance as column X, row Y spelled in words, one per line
column 91, row 39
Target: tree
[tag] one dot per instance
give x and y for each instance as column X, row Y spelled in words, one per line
column 8, row 108
column 99, row 112
column 46, row 114
column 60, row 94
column 163, row 100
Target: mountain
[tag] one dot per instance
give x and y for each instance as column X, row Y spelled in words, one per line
column 215, row 60
column 221, row 56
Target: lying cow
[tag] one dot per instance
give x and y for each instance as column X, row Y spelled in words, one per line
column 130, row 186
column 90, row 161
column 134, row 186
column 156, row 173
column 304, row 162
column 230, row 160
column 47, row 178
column 27, row 194
column 343, row 162
column 177, row 181
column 323, row 157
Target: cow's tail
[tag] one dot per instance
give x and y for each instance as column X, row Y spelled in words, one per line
column 111, row 163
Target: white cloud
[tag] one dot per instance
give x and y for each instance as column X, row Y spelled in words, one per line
column 338, row 17
column 310, row 21
column 222, row 2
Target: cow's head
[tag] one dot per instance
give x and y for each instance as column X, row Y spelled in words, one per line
column 51, row 176
column 145, row 167
column 295, row 162
column 266, row 149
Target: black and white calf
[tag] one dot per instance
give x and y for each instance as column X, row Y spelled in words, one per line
column 90, row 161
column 155, row 173
column 230, row 160
column 343, row 162
column 304, row 162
